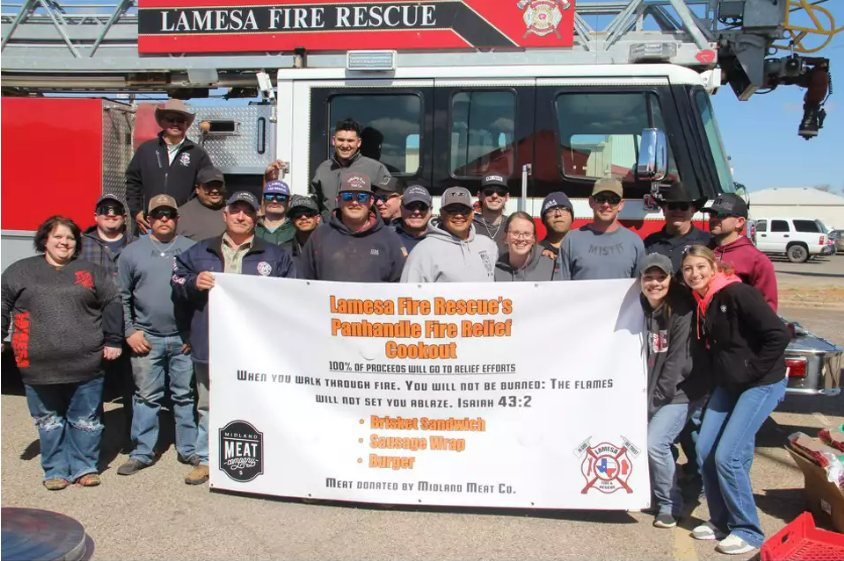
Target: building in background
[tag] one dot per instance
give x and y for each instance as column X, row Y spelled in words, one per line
column 798, row 202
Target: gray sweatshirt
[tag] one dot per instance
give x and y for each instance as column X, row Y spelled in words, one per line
column 144, row 279
column 326, row 181
column 198, row 222
column 537, row 268
column 442, row 257
column 589, row 255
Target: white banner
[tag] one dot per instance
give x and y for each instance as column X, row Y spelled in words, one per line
column 508, row 395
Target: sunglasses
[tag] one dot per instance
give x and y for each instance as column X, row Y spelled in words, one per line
column 348, row 196
column 611, row 199
column 721, row 215
column 179, row 120
column 300, row 215
column 678, row 206
column 273, row 198
column 457, row 209
column 385, row 198
column 105, row 209
column 413, row 207
column 168, row 213
column 489, row 191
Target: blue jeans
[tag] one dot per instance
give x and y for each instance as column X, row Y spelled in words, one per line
column 68, row 418
column 148, row 370
column 663, row 428
column 203, row 387
column 725, row 449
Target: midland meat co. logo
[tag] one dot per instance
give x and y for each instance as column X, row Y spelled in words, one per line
column 241, row 451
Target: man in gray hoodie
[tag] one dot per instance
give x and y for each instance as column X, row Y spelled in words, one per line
column 451, row 251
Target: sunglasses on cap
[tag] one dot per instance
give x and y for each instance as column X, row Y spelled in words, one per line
column 105, row 209
column 349, row 196
column 385, row 198
column 275, row 198
column 602, row 198
column 457, row 209
column 489, row 191
column 168, row 213
column 678, row 206
column 414, row 206
column 178, row 119
column 307, row 214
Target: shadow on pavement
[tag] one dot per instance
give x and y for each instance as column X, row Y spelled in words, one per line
column 783, row 504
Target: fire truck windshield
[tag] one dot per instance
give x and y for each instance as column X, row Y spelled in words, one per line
column 713, row 138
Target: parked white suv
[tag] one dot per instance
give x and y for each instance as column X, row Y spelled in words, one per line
column 796, row 238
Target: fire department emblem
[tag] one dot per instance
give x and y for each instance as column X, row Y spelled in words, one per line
column 607, row 468
column 543, row 16
column 184, row 159
column 264, row 269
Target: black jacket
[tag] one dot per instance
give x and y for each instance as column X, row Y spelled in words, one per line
column 335, row 253
column 677, row 363
column 150, row 172
column 674, row 246
column 747, row 339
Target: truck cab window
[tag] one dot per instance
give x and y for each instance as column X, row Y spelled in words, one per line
column 713, row 139
column 481, row 140
column 599, row 134
column 391, row 127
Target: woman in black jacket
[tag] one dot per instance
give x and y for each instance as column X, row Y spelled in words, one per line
column 67, row 318
column 673, row 389
column 746, row 342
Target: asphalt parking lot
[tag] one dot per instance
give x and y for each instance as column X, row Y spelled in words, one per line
column 154, row 515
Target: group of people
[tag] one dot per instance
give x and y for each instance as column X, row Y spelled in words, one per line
column 714, row 342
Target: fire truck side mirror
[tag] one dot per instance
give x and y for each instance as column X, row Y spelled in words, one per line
column 653, row 156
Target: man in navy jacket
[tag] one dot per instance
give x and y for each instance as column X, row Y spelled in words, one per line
column 237, row 251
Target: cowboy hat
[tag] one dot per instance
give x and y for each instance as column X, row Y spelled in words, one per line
column 676, row 193
column 173, row 106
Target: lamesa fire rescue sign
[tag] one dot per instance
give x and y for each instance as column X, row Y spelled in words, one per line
column 216, row 26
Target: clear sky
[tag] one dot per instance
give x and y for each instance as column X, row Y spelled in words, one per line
column 760, row 134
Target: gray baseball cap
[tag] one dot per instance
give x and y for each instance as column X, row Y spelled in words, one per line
column 299, row 202
column 657, row 260
column 457, row 196
column 416, row 194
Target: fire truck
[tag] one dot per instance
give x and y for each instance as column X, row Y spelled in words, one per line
column 552, row 94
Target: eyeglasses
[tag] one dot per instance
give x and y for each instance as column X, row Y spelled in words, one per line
column 348, row 196
column 490, row 191
column 521, row 235
column 273, row 198
column 414, row 207
column 105, row 209
column 177, row 119
column 167, row 213
column 301, row 215
column 385, row 198
column 613, row 200
column 678, row 206
column 558, row 211
column 457, row 210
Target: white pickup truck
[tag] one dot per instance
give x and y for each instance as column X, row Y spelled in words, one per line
column 796, row 238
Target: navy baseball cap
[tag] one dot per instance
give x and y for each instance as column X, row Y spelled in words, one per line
column 246, row 197
column 416, row 194
column 277, row 187
column 555, row 199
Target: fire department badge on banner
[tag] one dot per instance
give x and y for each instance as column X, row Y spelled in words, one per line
column 543, row 16
column 606, row 467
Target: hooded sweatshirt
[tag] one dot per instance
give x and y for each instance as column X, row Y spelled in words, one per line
column 537, row 268
column 746, row 338
column 443, row 257
column 752, row 266
column 335, row 253
column 677, row 370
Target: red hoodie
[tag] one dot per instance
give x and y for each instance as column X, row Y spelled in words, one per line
column 752, row 266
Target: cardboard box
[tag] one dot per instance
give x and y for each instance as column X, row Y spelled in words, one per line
column 826, row 500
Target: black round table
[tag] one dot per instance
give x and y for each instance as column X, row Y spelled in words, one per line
column 30, row 533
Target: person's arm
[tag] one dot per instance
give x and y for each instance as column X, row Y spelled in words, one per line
column 286, row 267
column 765, row 279
column 678, row 360
column 639, row 253
column 135, row 192
column 384, row 175
column 316, row 190
column 184, row 279
column 756, row 314
column 126, row 286
column 307, row 263
column 563, row 269
column 398, row 254
column 108, row 295
column 10, row 292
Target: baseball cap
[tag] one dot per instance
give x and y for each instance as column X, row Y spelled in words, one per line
column 300, row 202
column 246, row 197
column 110, row 197
column 658, row 260
column 160, row 201
column 555, row 199
column 209, row 174
column 277, row 187
column 456, row 196
column 416, row 194
column 608, row 184
column 355, row 182
column 391, row 184
column 491, row 179
column 729, row 204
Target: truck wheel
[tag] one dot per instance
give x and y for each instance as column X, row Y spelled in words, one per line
column 797, row 254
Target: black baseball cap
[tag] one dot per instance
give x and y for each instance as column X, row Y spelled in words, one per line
column 209, row 174
column 110, row 197
column 493, row 179
column 728, row 204
column 299, row 202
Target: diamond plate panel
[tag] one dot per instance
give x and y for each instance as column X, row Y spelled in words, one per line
column 237, row 153
column 118, row 127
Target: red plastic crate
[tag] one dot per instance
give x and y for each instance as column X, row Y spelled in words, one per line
column 800, row 540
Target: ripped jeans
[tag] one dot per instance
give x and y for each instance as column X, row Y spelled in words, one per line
column 69, row 422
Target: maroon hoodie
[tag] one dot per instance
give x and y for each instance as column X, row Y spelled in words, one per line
column 752, row 266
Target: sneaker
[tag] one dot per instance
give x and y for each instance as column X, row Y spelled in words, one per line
column 707, row 531
column 131, row 467
column 664, row 520
column 734, row 545
column 197, row 475
column 192, row 460
column 56, row 484
column 89, row 480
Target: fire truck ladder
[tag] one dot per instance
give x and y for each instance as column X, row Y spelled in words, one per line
column 71, row 45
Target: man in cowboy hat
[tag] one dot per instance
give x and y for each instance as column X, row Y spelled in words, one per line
column 165, row 165
column 678, row 207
